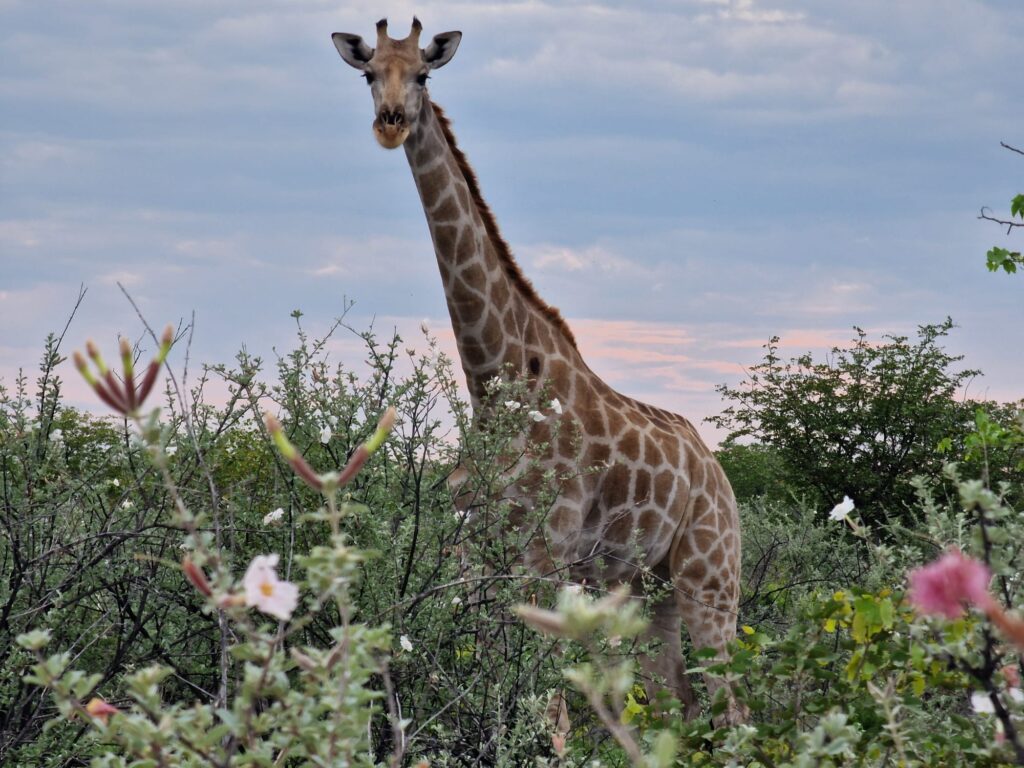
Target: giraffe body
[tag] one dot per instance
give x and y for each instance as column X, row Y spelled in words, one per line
column 651, row 495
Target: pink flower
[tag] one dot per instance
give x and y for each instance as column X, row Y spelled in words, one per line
column 945, row 586
column 263, row 590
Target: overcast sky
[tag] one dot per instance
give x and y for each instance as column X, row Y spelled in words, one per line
column 683, row 178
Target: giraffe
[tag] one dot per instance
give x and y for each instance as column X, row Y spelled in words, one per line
column 652, row 495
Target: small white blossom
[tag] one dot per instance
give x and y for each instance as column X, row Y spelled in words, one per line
column 513, row 405
column 982, row 704
column 325, row 434
column 405, row 642
column 424, row 326
column 127, row 504
column 56, row 435
column 116, row 483
column 536, row 416
column 273, row 517
column 170, row 450
column 263, row 590
column 841, row 510
column 556, row 406
column 456, row 600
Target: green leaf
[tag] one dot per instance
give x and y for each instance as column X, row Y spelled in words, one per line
column 1017, row 206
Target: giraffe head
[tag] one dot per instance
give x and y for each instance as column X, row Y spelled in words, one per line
column 397, row 72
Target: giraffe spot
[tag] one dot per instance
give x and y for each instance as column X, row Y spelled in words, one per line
column 716, row 557
column 446, row 210
column 698, row 477
column 445, row 236
column 642, row 487
column 474, row 275
column 663, row 483
column 597, row 453
column 592, row 522
column 511, row 326
column 535, row 366
column 649, row 525
column 629, row 445
column 694, row 571
column 615, row 488
column 432, row 185
column 465, row 250
column 491, row 336
column 592, row 420
column 499, row 292
column 670, row 445
column 566, row 438
column 703, row 539
column 620, row 530
column 558, row 373
column 468, row 304
column 472, row 352
column 563, row 519
column 615, row 421
column 464, row 198
column 652, row 454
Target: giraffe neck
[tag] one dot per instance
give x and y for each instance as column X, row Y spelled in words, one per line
column 497, row 317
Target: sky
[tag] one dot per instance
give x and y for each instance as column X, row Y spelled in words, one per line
column 682, row 178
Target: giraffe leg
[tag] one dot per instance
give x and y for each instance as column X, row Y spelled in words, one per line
column 706, row 563
column 663, row 667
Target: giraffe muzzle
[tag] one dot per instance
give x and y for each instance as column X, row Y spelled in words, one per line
column 390, row 128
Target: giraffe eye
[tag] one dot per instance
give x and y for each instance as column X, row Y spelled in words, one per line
column 422, row 78
column 369, row 77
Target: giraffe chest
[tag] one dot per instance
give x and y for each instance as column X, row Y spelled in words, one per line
column 609, row 510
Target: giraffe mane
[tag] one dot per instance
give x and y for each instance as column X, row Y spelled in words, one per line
column 502, row 248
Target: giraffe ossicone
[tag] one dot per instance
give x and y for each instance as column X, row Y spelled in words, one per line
column 651, row 497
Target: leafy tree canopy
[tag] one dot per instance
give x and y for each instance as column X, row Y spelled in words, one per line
column 863, row 422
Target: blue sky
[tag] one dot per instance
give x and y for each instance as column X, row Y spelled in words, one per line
column 683, row 179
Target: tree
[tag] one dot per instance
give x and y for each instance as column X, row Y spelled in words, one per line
column 1003, row 258
column 861, row 423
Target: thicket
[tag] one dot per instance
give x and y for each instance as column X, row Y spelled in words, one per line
column 128, row 541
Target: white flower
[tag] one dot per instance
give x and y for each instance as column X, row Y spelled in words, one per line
column 556, row 406
column 536, row 416
column 264, row 591
column 424, row 326
column 56, row 435
column 513, row 405
column 116, row 483
column 127, row 504
column 325, row 434
column 1016, row 694
column 273, row 517
column 405, row 642
column 170, row 450
column 841, row 510
column 456, row 600
column 982, row 704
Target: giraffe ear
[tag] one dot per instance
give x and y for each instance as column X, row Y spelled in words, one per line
column 353, row 50
column 441, row 49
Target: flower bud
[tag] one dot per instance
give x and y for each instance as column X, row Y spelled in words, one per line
column 196, row 576
column 100, row 710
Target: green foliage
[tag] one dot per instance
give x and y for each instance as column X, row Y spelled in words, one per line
column 861, row 423
column 1002, row 258
column 410, row 591
column 755, row 471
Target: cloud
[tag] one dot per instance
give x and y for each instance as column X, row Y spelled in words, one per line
column 567, row 259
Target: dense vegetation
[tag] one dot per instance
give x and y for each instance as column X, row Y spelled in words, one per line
column 125, row 540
